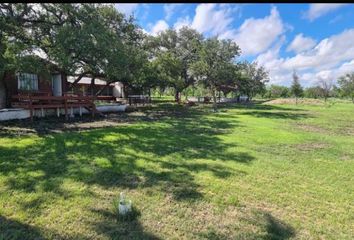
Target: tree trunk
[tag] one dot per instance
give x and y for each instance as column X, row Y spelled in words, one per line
column 213, row 92
column 124, row 91
column 102, row 89
column 177, row 96
column 5, row 100
column 76, row 81
column 92, row 86
column 3, row 94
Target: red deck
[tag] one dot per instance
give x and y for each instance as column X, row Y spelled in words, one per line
column 65, row 102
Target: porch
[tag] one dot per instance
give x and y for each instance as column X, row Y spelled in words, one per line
column 30, row 105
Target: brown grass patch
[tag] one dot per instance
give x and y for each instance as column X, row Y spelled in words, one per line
column 311, row 128
column 292, row 101
column 311, row 146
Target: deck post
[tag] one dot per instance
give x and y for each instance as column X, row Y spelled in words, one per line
column 93, row 107
column 66, row 107
column 42, row 112
column 30, row 107
column 58, row 112
column 80, row 111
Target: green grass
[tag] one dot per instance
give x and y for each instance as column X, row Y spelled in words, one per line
column 246, row 172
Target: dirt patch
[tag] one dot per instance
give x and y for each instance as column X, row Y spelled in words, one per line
column 292, row 101
column 347, row 131
column 311, row 128
column 311, row 146
column 43, row 126
column 49, row 125
column 346, row 157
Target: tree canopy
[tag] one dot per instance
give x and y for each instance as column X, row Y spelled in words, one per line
column 98, row 41
column 346, row 83
column 296, row 88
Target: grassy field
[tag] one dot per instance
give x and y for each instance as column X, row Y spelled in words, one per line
column 247, row 172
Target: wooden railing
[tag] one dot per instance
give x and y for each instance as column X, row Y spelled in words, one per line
column 55, row 102
column 135, row 99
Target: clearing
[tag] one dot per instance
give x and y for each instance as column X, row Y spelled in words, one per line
column 261, row 171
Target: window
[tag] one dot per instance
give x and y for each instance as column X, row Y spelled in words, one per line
column 27, row 81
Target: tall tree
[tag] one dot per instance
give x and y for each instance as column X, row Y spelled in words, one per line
column 81, row 39
column 215, row 58
column 313, row 92
column 253, row 79
column 346, row 84
column 325, row 86
column 296, row 88
column 182, row 46
column 277, row 91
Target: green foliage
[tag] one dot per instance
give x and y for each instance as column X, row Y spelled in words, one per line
column 347, row 85
column 313, row 92
column 175, row 52
column 276, row 91
column 215, row 64
column 253, row 79
column 84, row 39
column 296, row 88
column 98, row 41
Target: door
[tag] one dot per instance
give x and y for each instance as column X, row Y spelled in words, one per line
column 57, row 85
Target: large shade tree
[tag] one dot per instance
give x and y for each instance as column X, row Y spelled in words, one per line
column 253, row 79
column 81, row 39
column 177, row 51
column 215, row 60
column 346, row 84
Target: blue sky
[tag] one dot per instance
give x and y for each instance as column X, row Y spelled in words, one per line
column 316, row 40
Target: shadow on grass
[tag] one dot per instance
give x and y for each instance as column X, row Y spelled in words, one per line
column 109, row 157
column 259, row 105
column 267, row 227
column 117, row 227
column 258, row 109
column 277, row 229
column 276, row 115
column 11, row 229
column 15, row 230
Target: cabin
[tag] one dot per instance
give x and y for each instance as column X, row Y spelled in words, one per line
column 39, row 92
column 57, row 84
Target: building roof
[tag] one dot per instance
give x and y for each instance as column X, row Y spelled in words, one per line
column 87, row 80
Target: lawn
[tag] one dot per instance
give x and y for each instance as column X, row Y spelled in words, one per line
column 247, row 172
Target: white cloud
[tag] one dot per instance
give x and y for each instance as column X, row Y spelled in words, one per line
column 301, row 43
column 256, row 35
column 346, row 67
column 213, row 18
column 329, row 59
column 326, row 54
column 181, row 22
column 317, row 10
column 127, row 8
column 170, row 9
column 335, row 73
column 160, row 25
